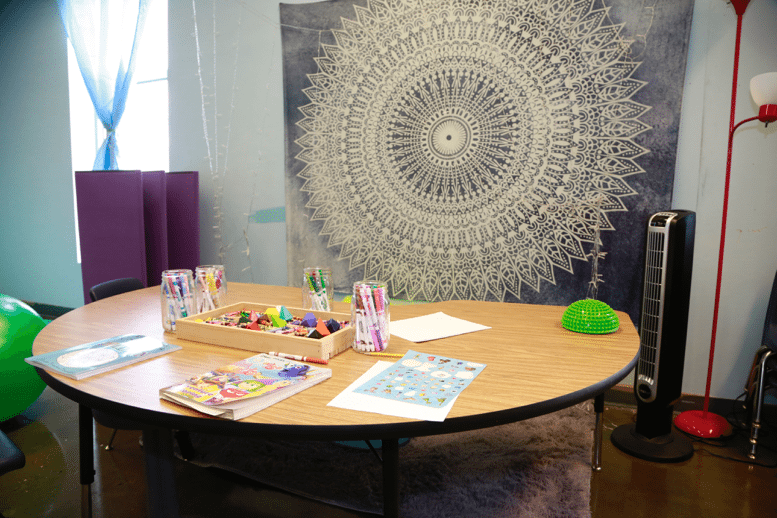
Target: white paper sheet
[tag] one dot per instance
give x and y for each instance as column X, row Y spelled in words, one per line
column 432, row 327
column 365, row 403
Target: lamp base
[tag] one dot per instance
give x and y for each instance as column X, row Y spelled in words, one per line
column 672, row 447
column 702, row 424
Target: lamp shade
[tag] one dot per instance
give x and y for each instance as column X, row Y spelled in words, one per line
column 763, row 88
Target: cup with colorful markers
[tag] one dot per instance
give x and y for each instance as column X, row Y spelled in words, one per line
column 317, row 289
column 177, row 296
column 370, row 316
column 210, row 286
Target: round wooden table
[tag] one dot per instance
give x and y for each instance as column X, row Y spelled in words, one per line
column 534, row 367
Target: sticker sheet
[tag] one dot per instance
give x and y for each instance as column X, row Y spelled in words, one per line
column 423, row 379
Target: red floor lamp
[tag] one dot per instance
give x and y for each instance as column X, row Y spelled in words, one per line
column 763, row 88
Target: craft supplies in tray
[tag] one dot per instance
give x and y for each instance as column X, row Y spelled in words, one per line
column 254, row 333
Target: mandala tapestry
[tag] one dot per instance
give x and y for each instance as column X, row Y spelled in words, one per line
column 506, row 150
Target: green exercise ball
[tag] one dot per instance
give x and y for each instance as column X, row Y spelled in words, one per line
column 20, row 385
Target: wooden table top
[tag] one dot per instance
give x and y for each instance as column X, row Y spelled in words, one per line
column 534, row 366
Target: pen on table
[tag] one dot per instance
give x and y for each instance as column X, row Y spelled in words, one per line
column 308, row 359
column 386, row 355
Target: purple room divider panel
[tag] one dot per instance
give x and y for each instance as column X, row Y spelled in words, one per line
column 155, row 212
column 183, row 219
column 110, row 226
column 134, row 224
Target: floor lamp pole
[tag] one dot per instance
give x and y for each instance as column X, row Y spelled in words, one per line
column 704, row 423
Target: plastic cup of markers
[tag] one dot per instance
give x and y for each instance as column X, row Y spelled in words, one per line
column 210, row 285
column 317, row 289
column 177, row 291
column 370, row 316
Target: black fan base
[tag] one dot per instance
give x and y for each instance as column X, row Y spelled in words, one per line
column 672, row 447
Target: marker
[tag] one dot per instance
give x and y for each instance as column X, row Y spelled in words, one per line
column 370, row 319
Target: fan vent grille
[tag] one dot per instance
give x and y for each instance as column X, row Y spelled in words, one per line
column 652, row 307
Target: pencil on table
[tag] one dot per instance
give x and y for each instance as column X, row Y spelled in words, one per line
column 308, row 359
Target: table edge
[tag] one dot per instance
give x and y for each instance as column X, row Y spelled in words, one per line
column 152, row 419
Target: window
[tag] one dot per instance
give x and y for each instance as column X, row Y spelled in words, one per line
column 143, row 133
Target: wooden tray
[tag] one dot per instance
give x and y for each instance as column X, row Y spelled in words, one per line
column 262, row 342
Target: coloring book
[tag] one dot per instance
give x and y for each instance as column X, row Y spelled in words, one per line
column 240, row 389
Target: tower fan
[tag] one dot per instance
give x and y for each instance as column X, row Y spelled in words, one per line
column 663, row 327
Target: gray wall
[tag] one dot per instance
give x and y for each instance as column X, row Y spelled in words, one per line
column 750, row 257
column 244, row 109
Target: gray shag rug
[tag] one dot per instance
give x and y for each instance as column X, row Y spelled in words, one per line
column 536, row 468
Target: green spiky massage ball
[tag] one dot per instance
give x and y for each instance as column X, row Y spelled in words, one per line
column 590, row 316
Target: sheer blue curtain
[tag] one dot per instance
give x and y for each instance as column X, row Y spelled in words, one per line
column 105, row 35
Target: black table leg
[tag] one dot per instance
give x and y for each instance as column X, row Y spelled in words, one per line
column 85, row 458
column 391, row 478
column 160, row 479
column 596, row 462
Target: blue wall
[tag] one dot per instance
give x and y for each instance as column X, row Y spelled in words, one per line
column 37, row 229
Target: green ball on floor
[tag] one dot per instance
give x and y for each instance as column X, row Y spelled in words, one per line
column 20, row 385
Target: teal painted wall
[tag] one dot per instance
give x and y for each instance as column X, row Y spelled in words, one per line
column 37, row 230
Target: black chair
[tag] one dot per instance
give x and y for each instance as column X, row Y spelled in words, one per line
column 99, row 292
column 114, row 287
column 102, row 291
column 11, row 457
column 107, row 419
column 763, row 373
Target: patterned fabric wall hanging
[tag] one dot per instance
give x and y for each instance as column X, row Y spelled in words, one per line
column 474, row 149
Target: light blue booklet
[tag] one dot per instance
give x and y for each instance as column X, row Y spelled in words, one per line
column 423, row 379
column 92, row 358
